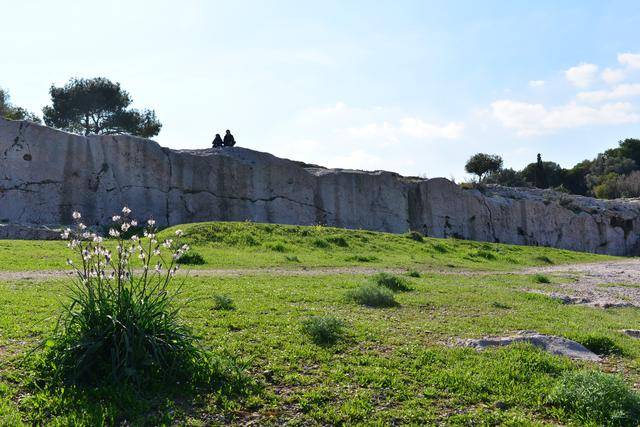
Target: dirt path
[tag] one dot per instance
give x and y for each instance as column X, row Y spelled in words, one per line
column 238, row 272
column 606, row 284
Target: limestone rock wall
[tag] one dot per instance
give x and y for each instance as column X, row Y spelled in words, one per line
column 45, row 174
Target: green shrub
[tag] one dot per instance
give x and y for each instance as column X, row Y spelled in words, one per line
column 373, row 296
column 320, row 243
column 601, row 344
column 415, row 236
column 292, row 258
column 413, row 273
column 439, row 247
column 482, row 253
column 338, row 241
column 544, row 259
column 191, row 258
column 277, row 246
column 362, row 258
column 596, row 398
column 223, row 302
column 541, row 278
column 325, row 330
column 497, row 304
column 391, row 282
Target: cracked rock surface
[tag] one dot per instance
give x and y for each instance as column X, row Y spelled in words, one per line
column 45, row 174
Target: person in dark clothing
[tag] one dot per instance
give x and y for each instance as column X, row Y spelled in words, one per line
column 217, row 141
column 229, row 141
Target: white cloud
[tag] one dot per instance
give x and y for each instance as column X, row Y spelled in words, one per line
column 631, row 60
column 618, row 92
column 420, row 129
column 384, row 132
column 535, row 119
column 582, row 75
column 536, row 83
column 407, row 127
column 613, row 75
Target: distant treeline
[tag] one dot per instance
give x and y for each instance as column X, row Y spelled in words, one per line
column 612, row 174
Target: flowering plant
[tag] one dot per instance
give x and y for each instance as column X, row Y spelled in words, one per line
column 121, row 323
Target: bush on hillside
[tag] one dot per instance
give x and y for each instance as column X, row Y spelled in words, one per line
column 596, row 398
column 372, row 295
column 392, row 282
column 325, row 330
column 191, row 258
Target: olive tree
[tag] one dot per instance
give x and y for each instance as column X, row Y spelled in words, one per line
column 481, row 164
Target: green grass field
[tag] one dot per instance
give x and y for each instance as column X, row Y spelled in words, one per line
column 393, row 365
column 249, row 245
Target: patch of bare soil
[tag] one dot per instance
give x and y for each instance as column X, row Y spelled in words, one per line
column 604, row 285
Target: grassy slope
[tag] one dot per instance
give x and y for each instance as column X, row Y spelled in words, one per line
column 249, row 245
column 394, row 365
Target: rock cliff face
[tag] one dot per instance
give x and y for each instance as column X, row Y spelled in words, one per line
column 45, row 174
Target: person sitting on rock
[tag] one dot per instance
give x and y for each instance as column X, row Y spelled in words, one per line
column 217, row 141
column 229, row 141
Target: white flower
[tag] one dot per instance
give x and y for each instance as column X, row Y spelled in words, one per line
column 115, row 218
column 126, row 210
column 156, row 252
column 81, row 226
column 69, row 262
column 76, row 215
column 64, row 235
column 135, row 238
column 167, row 243
column 114, row 233
column 141, row 256
column 125, row 226
column 97, row 239
column 151, row 222
column 179, row 233
column 158, row 268
column 134, row 222
column 86, row 235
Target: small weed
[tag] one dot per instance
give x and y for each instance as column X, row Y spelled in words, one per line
column 482, row 253
column 223, row 302
column 277, row 247
column 191, row 258
column 338, row 241
column 413, row 273
column 320, row 243
column 545, row 259
column 391, row 282
column 501, row 305
column 292, row 258
column 415, row 236
column 325, row 330
column 362, row 258
column 373, row 296
column 439, row 247
column 601, row 344
column 541, row 278
column 596, row 398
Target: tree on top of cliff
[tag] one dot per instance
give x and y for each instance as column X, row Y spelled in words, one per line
column 481, row 164
column 10, row 111
column 98, row 106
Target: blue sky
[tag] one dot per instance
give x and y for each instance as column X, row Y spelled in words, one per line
column 410, row 86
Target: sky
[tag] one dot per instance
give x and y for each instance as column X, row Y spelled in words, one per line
column 414, row 87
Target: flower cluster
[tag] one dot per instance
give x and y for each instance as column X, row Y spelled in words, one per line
column 98, row 263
